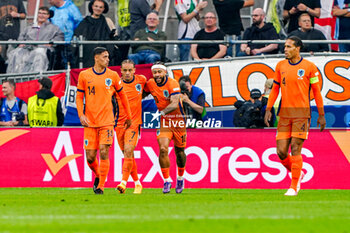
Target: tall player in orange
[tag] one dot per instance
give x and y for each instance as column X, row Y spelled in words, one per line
column 166, row 93
column 294, row 76
column 127, row 138
column 98, row 84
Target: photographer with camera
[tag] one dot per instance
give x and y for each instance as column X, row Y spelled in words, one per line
column 13, row 110
column 250, row 114
column 193, row 99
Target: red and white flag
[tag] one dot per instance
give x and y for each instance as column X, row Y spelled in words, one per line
column 326, row 22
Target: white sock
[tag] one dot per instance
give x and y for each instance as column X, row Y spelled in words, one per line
column 167, row 180
column 180, row 177
column 124, row 182
column 137, row 182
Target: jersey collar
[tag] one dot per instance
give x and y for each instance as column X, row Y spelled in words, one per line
column 99, row 73
column 133, row 78
column 166, row 80
column 294, row 64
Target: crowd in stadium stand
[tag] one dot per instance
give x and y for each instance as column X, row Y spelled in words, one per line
column 298, row 15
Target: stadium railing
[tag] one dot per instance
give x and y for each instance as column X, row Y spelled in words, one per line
column 21, row 77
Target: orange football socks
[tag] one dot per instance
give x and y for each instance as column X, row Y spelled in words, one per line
column 180, row 171
column 297, row 165
column 287, row 163
column 94, row 167
column 165, row 172
column 133, row 173
column 104, row 168
column 127, row 166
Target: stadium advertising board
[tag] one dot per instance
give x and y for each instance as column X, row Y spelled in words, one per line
column 216, row 158
column 226, row 81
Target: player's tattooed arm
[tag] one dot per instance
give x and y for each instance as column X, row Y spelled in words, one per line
column 174, row 104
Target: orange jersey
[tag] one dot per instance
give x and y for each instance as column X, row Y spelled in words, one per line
column 133, row 90
column 98, row 89
column 295, row 82
column 161, row 95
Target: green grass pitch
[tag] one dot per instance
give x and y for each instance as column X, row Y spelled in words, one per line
column 195, row 210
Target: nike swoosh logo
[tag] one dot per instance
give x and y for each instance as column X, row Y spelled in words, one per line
column 8, row 135
column 54, row 166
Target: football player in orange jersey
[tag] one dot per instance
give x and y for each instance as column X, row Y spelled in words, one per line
column 166, row 93
column 128, row 138
column 294, row 76
column 98, row 84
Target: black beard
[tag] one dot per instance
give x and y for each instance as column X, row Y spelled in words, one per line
column 256, row 23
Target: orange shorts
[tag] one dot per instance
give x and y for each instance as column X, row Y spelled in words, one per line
column 93, row 137
column 177, row 134
column 293, row 128
column 129, row 136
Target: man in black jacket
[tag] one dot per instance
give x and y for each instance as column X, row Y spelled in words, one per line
column 259, row 31
column 307, row 32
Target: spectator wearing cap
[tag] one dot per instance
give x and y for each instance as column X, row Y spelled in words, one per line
column 44, row 108
column 33, row 58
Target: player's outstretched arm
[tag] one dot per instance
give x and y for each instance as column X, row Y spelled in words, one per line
column 321, row 121
column 173, row 105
